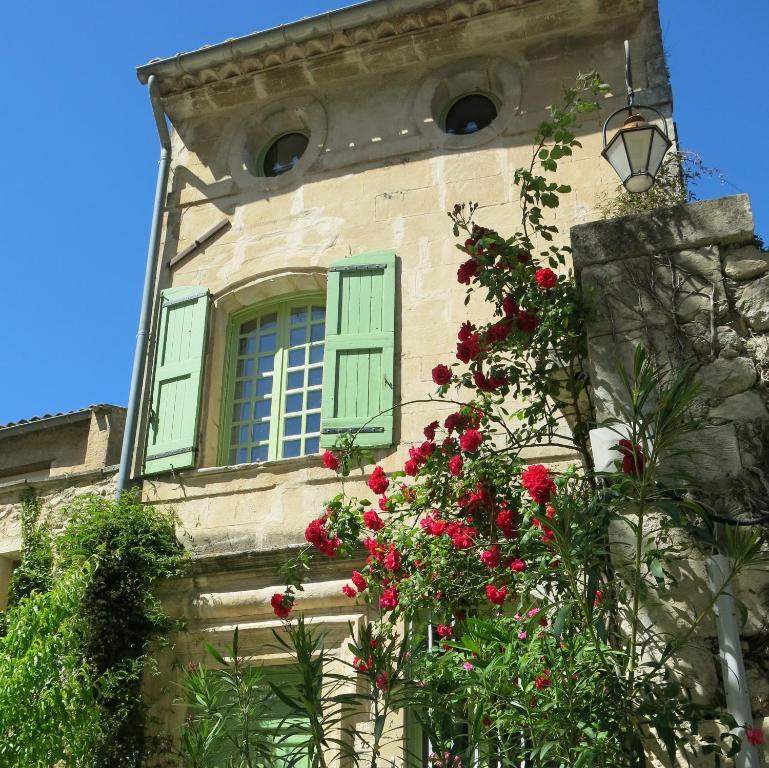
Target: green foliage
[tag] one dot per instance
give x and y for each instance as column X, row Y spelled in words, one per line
column 33, row 574
column 75, row 645
column 675, row 184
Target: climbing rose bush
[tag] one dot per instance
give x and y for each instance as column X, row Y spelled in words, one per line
column 524, row 641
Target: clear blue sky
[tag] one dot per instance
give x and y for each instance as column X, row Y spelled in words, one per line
column 79, row 155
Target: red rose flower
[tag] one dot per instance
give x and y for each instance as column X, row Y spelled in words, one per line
column 546, row 278
column 382, row 681
column 491, row 557
column 378, row 481
column 537, row 481
column 372, row 521
column 359, row 581
column 429, row 430
column 316, row 534
column 330, row 461
column 527, row 321
column 494, row 595
column 349, row 591
column 454, row 421
column 281, row 605
column 444, row 630
column 389, row 599
column 524, row 258
column 441, row 374
column 465, row 331
column 507, row 521
column 384, row 504
column 509, row 306
column 471, row 440
column 543, row 681
column 517, row 566
column 755, row 736
column 455, row 465
column 411, row 468
column 467, row 271
column 633, row 459
column 392, row 559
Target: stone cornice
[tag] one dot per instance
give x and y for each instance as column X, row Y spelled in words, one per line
column 320, row 36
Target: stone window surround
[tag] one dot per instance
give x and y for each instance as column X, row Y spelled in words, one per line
column 276, row 285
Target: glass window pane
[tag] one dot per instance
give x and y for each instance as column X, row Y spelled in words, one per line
column 296, row 357
column 269, row 322
column 247, row 346
column 262, row 409
column 313, row 399
column 264, row 386
column 299, row 316
column 294, row 403
column 318, row 313
column 249, row 327
column 293, row 425
column 267, row 342
column 239, row 435
column 295, row 380
column 266, row 364
column 292, row 448
column 241, row 412
column 297, row 336
column 318, row 332
column 312, row 445
column 259, row 453
column 312, row 423
column 316, row 353
column 239, row 456
column 315, row 377
column 260, row 431
column 243, row 389
column 245, row 368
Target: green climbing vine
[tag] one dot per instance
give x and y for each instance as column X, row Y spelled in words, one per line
column 81, row 619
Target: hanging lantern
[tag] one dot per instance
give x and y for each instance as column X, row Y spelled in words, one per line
column 637, row 149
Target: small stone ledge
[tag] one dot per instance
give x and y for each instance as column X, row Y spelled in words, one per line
column 724, row 221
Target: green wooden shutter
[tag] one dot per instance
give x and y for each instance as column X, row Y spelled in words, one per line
column 360, row 346
column 173, row 420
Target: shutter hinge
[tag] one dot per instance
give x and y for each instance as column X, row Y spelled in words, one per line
column 356, row 267
column 166, row 454
column 346, row 430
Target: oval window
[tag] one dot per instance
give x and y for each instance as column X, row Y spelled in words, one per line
column 469, row 114
column 284, row 153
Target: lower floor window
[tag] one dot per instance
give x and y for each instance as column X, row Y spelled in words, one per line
column 277, row 364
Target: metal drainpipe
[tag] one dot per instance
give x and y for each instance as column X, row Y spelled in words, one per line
column 732, row 664
column 145, row 316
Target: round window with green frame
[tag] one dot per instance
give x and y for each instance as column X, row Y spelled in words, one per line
column 469, row 113
column 274, row 381
column 283, row 153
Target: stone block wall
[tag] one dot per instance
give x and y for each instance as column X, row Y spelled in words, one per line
column 691, row 285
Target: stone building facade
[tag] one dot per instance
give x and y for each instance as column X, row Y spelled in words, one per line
column 55, row 458
column 353, row 237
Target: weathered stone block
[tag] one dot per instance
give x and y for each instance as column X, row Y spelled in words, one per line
column 730, row 344
column 724, row 378
column 752, row 303
column 743, row 408
column 746, row 263
column 723, row 221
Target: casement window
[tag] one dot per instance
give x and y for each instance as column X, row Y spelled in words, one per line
column 299, row 370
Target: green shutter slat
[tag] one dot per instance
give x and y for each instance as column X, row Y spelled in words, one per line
column 173, row 420
column 360, row 349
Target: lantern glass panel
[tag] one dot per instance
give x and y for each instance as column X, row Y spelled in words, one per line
column 639, row 183
column 617, row 157
column 660, row 145
column 637, row 141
